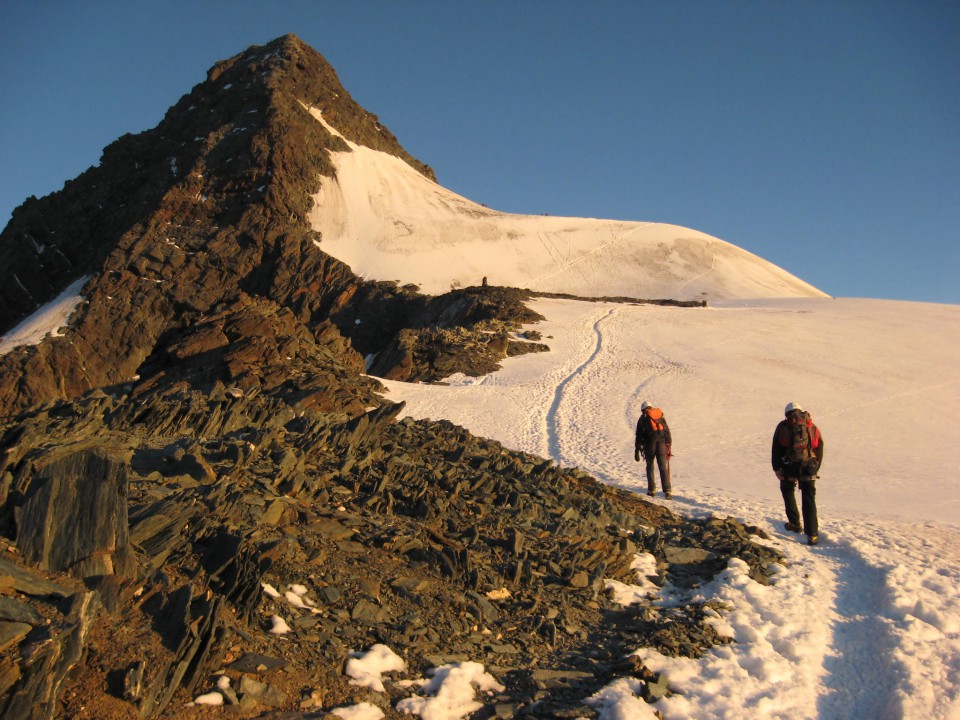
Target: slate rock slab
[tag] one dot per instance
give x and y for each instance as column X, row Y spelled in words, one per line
column 14, row 610
column 28, row 583
column 12, row 633
column 74, row 515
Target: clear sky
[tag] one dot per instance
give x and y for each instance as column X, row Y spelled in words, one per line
column 820, row 135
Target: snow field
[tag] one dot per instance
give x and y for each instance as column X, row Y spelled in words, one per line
column 865, row 625
column 389, row 222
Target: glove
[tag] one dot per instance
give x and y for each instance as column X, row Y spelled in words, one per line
column 636, row 455
column 779, row 474
column 669, row 450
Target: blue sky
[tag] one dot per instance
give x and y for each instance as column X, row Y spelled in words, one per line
column 820, row 135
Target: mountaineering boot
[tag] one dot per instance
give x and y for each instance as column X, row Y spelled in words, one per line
column 792, row 527
column 813, row 539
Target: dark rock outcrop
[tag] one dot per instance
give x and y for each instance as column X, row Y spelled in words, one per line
column 468, row 331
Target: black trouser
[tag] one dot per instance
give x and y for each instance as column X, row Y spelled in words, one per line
column 663, row 465
column 808, row 498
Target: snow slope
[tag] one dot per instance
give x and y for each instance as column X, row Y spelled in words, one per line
column 880, row 377
column 389, row 222
column 864, row 626
column 47, row 320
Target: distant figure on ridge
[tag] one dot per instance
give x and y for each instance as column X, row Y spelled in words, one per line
column 796, row 456
column 654, row 442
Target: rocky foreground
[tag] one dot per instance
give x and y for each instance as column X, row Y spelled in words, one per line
column 142, row 525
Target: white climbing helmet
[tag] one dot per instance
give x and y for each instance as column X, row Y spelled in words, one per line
column 644, row 405
column 791, row 407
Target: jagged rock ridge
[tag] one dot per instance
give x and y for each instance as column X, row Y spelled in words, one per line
column 206, row 208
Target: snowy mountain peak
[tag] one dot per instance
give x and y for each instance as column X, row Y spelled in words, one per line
column 389, row 222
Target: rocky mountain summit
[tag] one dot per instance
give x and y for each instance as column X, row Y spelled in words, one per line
column 204, row 492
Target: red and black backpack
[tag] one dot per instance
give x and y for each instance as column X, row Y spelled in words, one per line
column 799, row 438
